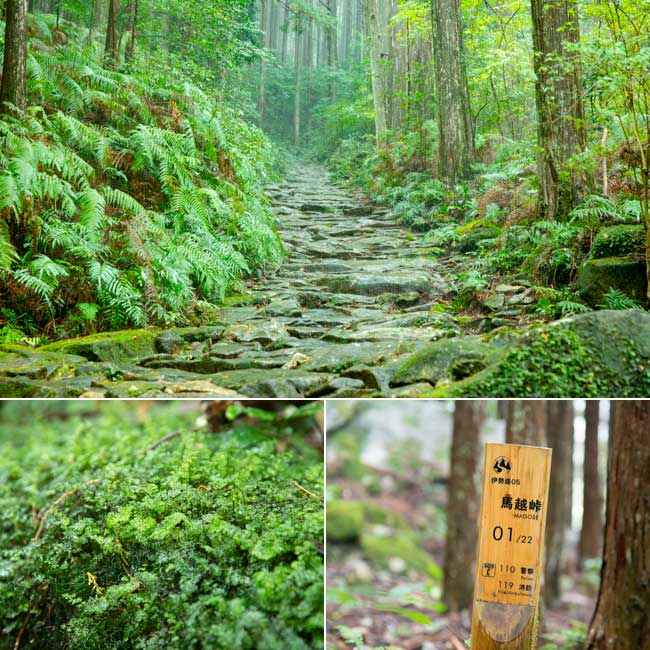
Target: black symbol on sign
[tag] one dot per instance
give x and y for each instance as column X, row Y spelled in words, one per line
column 502, row 464
column 488, row 570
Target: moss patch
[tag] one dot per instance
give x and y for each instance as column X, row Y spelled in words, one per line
column 596, row 277
column 381, row 550
column 445, row 359
column 619, row 240
column 113, row 347
column 591, row 355
column 344, row 521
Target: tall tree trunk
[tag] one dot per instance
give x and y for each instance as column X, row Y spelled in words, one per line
column 309, row 65
column 592, row 501
column 266, row 36
column 622, row 618
column 14, row 68
column 332, row 43
column 285, row 35
column 560, row 112
column 273, row 26
column 463, row 505
column 526, row 422
column 133, row 26
column 455, row 129
column 298, row 90
column 559, row 431
column 378, row 14
column 97, row 18
column 111, row 50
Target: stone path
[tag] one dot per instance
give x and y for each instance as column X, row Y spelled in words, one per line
column 352, row 302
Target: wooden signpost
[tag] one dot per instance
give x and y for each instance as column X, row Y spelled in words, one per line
column 510, row 551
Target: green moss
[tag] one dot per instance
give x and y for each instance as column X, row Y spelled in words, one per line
column 380, row 550
column 113, row 347
column 375, row 514
column 618, row 240
column 591, row 355
column 202, row 542
column 443, row 359
column 344, row 520
column 597, row 277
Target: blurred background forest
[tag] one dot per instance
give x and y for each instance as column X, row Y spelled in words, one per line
column 401, row 550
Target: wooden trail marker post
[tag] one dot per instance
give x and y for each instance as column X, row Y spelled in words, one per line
column 510, row 550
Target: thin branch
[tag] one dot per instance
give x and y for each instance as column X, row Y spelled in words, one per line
column 162, row 441
column 55, row 503
column 305, row 490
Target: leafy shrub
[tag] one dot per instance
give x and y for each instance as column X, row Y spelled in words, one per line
column 618, row 240
column 119, row 193
column 206, row 541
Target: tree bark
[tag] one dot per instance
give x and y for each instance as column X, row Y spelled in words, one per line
column 560, row 438
column 111, row 50
column 526, row 422
column 14, row 69
column 378, row 13
column 298, row 91
column 455, row 129
column 266, row 36
column 622, row 618
column 592, row 500
column 560, row 112
column 333, row 43
column 133, row 26
column 463, row 504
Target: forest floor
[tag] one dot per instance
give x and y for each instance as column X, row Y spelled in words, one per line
column 358, row 295
column 376, row 600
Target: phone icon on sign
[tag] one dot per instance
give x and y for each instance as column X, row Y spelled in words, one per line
column 488, row 570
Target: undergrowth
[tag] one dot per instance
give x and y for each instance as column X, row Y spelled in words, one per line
column 209, row 540
column 490, row 220
column 124, row 202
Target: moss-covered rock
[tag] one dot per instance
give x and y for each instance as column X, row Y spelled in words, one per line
column 597, row 276
column 374, row 513
column 393, row 551
column 616, row 241
column 114, row 347
column 344, row 520
column 472, row 234
column 590, row 355
column 441, row 360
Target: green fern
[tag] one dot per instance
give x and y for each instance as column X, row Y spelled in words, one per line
column 616, row 299
column 571, row 307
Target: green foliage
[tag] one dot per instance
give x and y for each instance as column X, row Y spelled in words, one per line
column 619, row 240
column 553, row 363
column 554, row 303
column 572, row 639
column 142, row 200
column 204, row 541
column 616, row 299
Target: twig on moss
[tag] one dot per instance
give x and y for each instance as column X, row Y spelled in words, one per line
column 305, row 490
column 171, row 436
column 54, row 504
column 23, row 627
column 162, row 441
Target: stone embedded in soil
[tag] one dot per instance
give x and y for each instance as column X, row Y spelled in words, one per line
column 376, row 285
column 264, row 332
